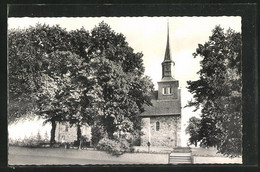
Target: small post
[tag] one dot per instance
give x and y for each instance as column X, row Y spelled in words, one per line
column 149, row 144
column 149, row 137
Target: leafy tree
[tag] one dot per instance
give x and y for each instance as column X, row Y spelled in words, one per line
column 82, row 104
column 218, row 91
column 21, row 76
column 58, row 98
column 78, row 102
column 118, row 80
column 80, row 42
column 104, row 41
column 36, row 69
column 79, row 77
column 27, row 49
column 193, row 130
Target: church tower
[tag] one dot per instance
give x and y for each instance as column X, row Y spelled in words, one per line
column 168, row 64
column 161, row 122
column 168, row 86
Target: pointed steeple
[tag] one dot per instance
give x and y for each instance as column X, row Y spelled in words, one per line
column 168, row 85
column 167, row 56
column 168, row 64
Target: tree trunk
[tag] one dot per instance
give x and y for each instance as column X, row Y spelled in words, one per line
column 79, row 139
column 110, row 134
column 53, row 129
column 110, row 128
column 78, row 133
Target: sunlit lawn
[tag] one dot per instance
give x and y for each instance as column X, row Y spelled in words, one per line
column 198, row 151
column 59, row 156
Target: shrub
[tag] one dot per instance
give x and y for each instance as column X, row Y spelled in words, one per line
column 136, row 140
column 31, row 141
column 27, row 142
column 114, row 147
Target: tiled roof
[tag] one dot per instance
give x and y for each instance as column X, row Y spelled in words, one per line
column 155, row 95
column 163, row 107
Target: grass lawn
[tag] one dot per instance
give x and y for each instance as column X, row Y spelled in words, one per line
column 210, row 156
column 211, row 152
column 60, row 156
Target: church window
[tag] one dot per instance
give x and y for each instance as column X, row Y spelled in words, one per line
column 167, row 90
column 157, row 126
column 164, row 90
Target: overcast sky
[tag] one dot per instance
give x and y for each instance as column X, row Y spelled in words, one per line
column 148, row 35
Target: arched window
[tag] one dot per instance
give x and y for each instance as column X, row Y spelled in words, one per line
column 157, row 126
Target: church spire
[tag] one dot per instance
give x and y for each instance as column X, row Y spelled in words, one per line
column 167, row 56
column 168, row 64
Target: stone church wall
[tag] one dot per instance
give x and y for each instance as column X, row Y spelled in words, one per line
column 70, row 133
column 170, row 127
column 145, row 131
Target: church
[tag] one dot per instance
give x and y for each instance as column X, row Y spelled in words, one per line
column 161, row 123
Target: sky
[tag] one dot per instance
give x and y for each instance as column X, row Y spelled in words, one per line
column 148, row 35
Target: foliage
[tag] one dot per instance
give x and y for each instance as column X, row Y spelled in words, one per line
column 46, row 136
column 43, row 71
column 97, row 134
column 21, row 76
column 78, row 77
column 80, row 42
column 29, row 75
column 193, row 130
column 31, row 141
column 118, row 81
column 218, row 91
column 57, row 88
column 114, row 147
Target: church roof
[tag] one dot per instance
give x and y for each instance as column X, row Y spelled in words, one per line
column 162, row 107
